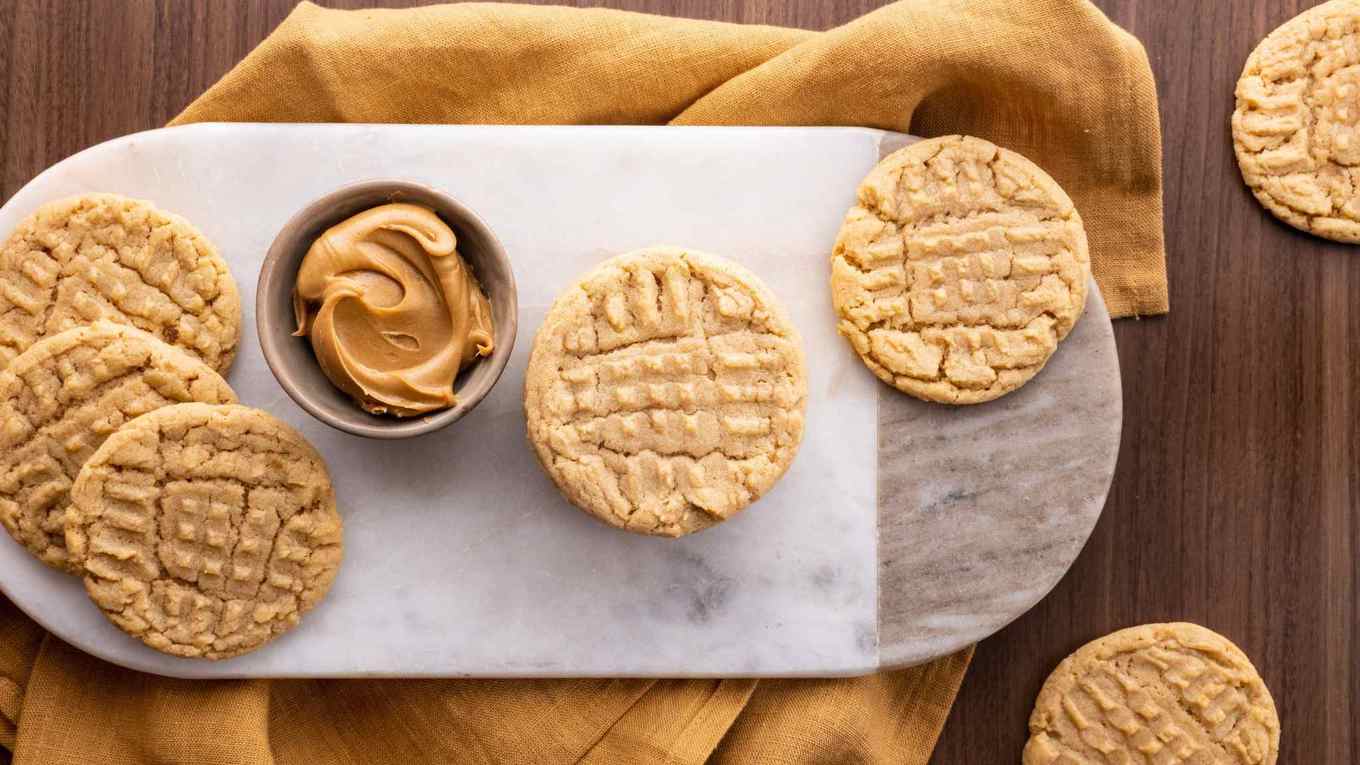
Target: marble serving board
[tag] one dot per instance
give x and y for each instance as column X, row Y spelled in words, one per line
column 902, row 532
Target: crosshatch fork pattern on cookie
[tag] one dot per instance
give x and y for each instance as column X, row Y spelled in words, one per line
column 677, row 395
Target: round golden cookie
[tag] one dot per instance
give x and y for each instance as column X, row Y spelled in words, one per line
column 1152, row 694
column 205, row 531
column 61, row 398
column 959, row 270
column 102, row 256
column 666, row 391
column 1295, row 125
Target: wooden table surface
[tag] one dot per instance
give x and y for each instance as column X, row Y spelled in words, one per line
column 1235, row 504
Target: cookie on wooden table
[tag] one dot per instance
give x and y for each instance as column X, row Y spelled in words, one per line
column 61, row 398
column 959, row 270
column 666, row 391
column 103, row 256
column 1295, row 125
column 1152, row 694
column 205, row 531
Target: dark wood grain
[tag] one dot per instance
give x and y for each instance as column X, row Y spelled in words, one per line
column 1235, row 501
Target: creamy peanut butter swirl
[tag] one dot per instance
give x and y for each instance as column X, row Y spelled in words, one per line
column 392, row 310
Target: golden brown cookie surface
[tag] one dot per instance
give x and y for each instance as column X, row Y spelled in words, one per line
column 1152, row 694
column 61, row 398
column 205, row 531
column 666, row 391
column 959, row 270
column 103, row 256
column 1295, row 125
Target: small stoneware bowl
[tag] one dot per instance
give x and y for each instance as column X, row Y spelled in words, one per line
column 291, row 358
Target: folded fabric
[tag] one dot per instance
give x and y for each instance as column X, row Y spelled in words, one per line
column 1053, row 79
column 59, row 705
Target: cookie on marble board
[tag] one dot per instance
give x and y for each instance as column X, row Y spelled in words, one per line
column 104, row 256
column 959, row 270
column 205, row 531
column 1295, row 125
column 61, row 398
column 666, row 391
column 1155, row 693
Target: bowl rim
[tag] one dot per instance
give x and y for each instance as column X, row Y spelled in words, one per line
column 285, row 243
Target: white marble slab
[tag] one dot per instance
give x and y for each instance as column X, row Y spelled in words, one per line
column 461, row 558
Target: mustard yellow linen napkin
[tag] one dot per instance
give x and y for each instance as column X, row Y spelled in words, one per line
column 1053, row 79
column 59, row 706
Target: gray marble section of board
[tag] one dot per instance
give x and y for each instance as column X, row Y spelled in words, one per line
column 982, row 509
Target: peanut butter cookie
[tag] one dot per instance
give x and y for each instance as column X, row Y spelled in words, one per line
column 103, row 256
column 1294, row 129
column 205, row 531
column 666, row 391
column 959, row 270
column 61, row 398
column 1151, row 694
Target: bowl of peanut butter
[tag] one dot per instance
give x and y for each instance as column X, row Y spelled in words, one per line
column 386, row 309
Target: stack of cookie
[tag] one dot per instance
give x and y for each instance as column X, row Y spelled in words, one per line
column 201, row 527
column 666, row 391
